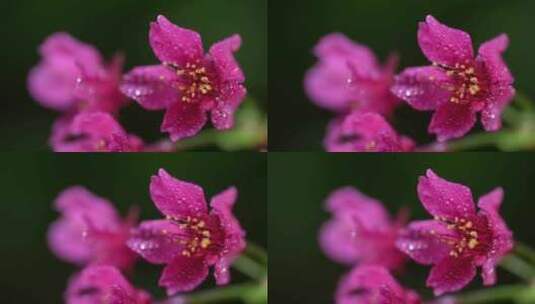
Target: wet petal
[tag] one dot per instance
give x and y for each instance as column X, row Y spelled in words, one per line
column 499, row 98
column 157, row 241
column 222, row 53
column 174, row 44
column 183, row 120
column 183, row 274
column 424, row 88
column 452, row 121
column 53, row 84
column 151, row 86
column 502, row 237
column 490, row 54
column 443, row 198
column 426, row 241
column 451, row 274
column 176, row 198
column 222, row 115
column 222, row 205
column 443, row 44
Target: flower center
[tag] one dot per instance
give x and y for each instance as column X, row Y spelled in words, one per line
column 199, row 236
column 468, row 239
column 195, row 81
column 467, row 83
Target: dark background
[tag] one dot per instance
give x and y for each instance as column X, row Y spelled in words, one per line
column 300, row 182
column 112, row 26
column 385, row 26
column 31, row 182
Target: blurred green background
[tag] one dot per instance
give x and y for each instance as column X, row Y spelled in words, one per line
column 115, row 26
column 300, row 182
column 31, row 182
column 385, row 26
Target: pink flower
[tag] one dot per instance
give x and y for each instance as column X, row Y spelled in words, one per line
column 360, row 231
column 364, row 132
column 349, row 77
column 90, row 230
column 72, row 77
column 457, row 85
column 188, row 84
column 103, row 284
column 458, row 239
column 373, row 285
column 190, row 239
column 92, row 132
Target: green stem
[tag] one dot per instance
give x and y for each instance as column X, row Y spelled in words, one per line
column 256, row 252
column 517, row 266
column 524, row 102
column 249, row 267
column 476, row 141
column 525, row 251
column 490, row 295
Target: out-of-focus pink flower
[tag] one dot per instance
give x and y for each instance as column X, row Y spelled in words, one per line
column 188, row 84
column 92, row 132
column 458, row 239
column 457, row 85
column 364, row 132
column 373, row 285
column 90, row 231
column 103, row 284
column 191, row 238
column 72, row 77
column 360, row 231
column 348, row 77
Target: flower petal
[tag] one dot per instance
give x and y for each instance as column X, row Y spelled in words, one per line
column 79, row 204
column 451, row 274
column 151, row 86
column 337, row 238
column 333, row 138
column 53, row 81
column 65, row 239
column 443, row 44
column 338, row 47
column 424, row 88
column 327, row 83
column 452, row 121
column 103, row 284
column 53, row 84
column 490, row 55
column 425, row 241
column 183, row 274
column 96, row 125
column 222, row 53
column 443, row 198
column 222, row 115
column 502, row 236
column 157, row 241
column 183, row 120
column 174, row 44
column 370, row 284
column 222, row 205
column 500, row 97
column 370, row 212
column 176, row 198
